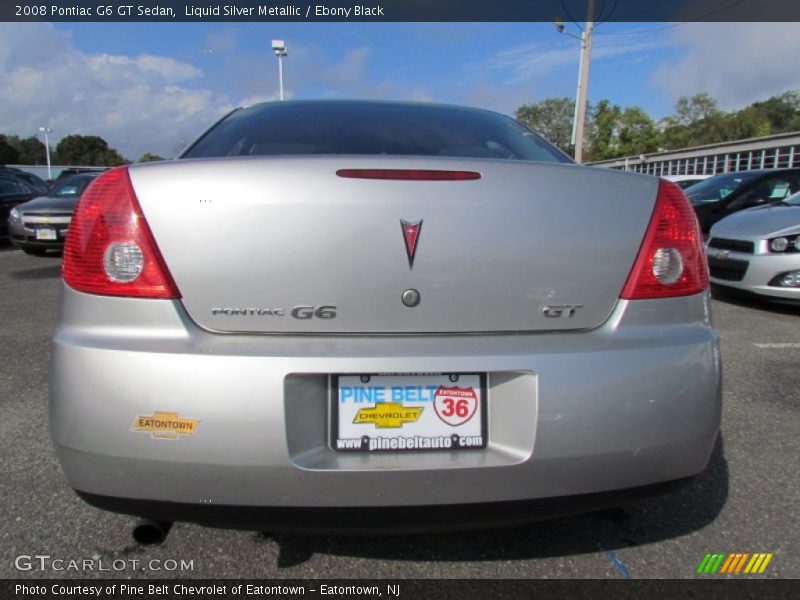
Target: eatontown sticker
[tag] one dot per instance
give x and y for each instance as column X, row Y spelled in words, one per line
column 165, row 425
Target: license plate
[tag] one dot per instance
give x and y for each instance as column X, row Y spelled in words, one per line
column 45, row 234
column 400, row 413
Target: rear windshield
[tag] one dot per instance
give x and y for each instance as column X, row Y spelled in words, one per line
column 72, row 187
column 307, row 128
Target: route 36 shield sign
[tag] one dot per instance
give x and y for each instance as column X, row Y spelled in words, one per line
column 455, row 405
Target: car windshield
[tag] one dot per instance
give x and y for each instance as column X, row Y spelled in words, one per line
column 371, row 128
column 72, row 187
column 717, row 188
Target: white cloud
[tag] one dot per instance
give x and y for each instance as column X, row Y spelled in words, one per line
column 222, row 41
column 347, row 77
column 530, row 62
column 487, row 95
column 737, row 63
column 352, row 67
column 137, row 104
column 513, row 76
column 312, row 64
column 169, row 68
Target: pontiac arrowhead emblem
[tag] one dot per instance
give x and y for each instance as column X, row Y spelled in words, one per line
column 411, row 237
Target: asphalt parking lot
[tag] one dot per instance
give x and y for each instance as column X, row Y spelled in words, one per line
column 747, row 501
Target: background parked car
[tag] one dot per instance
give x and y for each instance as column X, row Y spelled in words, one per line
column 12, row 192
column 36, row 183
column 65, row 173
column 722, row 195
column 42, row 224
column 757, row 251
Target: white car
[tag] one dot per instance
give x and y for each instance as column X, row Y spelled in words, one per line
column 757, row 251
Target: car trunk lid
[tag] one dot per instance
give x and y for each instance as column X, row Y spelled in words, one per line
column 285, row 245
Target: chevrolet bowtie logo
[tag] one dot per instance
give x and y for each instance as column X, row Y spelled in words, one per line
column 388, row 415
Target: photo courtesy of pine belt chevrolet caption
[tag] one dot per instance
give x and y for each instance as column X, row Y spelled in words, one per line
column 356, row 315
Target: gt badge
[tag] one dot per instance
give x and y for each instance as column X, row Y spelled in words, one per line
column 165, row 425
column 411, row 237
column 455, row 405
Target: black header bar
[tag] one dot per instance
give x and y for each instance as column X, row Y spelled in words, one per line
column 397, row 10
column 403, row 589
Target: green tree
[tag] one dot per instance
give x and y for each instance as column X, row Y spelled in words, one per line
column 8, row 154
column 30, row 150
column 673, row 134
column 746, row 123
column 782, row 112
column 148, row 157
column 87, row 150
column 551, row 118
column 697, row 121
column 637, row 133
column 612, row 132
column 602, row 129
column 689, row 111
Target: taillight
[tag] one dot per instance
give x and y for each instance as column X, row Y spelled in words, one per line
column 671, row 261
column 110, row 250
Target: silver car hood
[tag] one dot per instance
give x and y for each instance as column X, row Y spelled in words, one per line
column 762, row 221
column 48, row 204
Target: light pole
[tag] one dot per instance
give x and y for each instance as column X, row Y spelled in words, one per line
column 46, row 131
column 582, row 94
column 279, row 46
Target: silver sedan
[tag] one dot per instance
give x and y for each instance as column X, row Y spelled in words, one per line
column 757, row 252
column 42, row 224
column 375, row 315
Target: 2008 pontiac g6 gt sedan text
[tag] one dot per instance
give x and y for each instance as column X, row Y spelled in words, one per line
column 364, row 315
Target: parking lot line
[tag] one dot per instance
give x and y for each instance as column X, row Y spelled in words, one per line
column 777, row 345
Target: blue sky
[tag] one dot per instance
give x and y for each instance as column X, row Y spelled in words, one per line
column 153, row 87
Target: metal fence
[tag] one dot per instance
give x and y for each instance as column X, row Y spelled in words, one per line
column 769, row 152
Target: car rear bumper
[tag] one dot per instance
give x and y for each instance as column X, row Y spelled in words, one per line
column 392, row 520
column 631, row 404
column 25, row 237
column 22, row 242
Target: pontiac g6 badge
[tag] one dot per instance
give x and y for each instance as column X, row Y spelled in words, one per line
column 411, row 237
